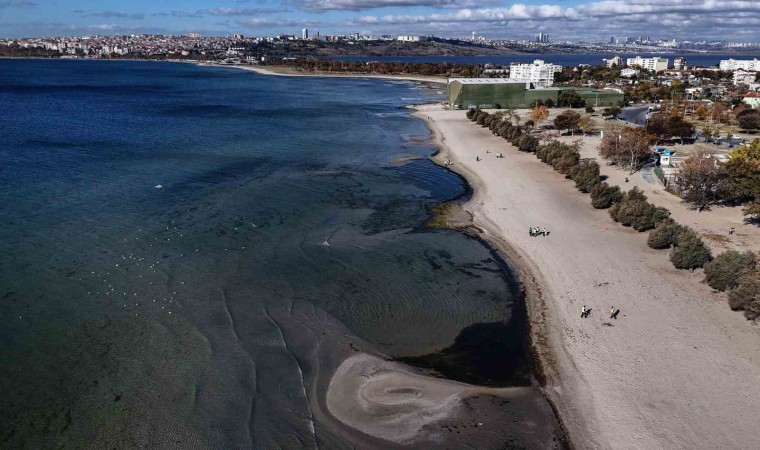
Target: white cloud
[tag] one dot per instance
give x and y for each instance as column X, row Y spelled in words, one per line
column 359, row 5
column 708, row 19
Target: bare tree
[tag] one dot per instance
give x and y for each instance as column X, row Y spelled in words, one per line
column 698, row 181
column 627, row 146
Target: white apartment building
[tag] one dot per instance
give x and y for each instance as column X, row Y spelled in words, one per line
column 539, row 73
column 304, row 33
column 736, row 64
column 628, row 73
column 744, row 76
column 655, row 64
column 410, row 38
column 616, row 61
column 679, row 63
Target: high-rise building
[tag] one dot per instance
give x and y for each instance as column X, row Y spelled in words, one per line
column 542, row 38
column 304, row 33
column 612, row 40
column 679, row 63
column 474, row 35
column 238, row 36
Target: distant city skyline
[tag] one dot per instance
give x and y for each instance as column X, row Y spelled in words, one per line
column 573, row 20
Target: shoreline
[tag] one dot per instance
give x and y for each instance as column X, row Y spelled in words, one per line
column 281, row 71
column 543, row 360
column 633, row 382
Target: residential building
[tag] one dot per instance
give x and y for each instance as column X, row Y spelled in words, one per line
column 752, row 99
column 542, row 38
column 679, row 63
column 655, row 63
column 615, row 61
column 304, row 33
column 744, row 76
column 628, row 73
column 539, row 73
column 410, row 38
column 736, row 64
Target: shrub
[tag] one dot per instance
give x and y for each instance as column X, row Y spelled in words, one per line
column 603, row 195
column 690, row 252
column 631, row 206
column 650, row 217
column 589, row 109
column 724, row 271
column 746, row 295
column 566, row 161
column 527, row 143
column 544, row 152
column 585, row 175
column 665, row 235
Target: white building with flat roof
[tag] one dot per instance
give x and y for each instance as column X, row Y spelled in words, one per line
column 615, row 61
column 743, row 64
column 410, row 38
column 539, row 72
column 628, row 73
column 744, row 76
column 655, row 63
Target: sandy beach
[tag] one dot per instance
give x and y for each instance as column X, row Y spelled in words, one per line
column 288, row 72
column 677, row 369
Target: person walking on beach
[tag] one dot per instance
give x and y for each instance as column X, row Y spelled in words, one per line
column 584, row 312
column 614, row 313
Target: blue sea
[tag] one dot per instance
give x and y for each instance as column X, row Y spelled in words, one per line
column 185, row 250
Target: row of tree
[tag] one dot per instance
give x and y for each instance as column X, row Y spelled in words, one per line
column 632, row 209
column 385, row 68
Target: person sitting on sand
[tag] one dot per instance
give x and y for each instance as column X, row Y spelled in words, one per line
column 543, row 231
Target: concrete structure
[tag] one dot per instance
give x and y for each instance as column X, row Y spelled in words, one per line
column 744, row 77
column 539, row 73
column 304, row 33
column 628, row 73
column 615, row 61
column 655, row 64
column 752, row 99
column 736, row 64
column 464, row 93
column 679, row 63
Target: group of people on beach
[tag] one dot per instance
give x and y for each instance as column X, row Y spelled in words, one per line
column 538, row 231
column 586, row 311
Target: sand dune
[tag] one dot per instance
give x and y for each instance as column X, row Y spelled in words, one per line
column 678, row 369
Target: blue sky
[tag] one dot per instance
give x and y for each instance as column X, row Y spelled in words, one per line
column 734, row 20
